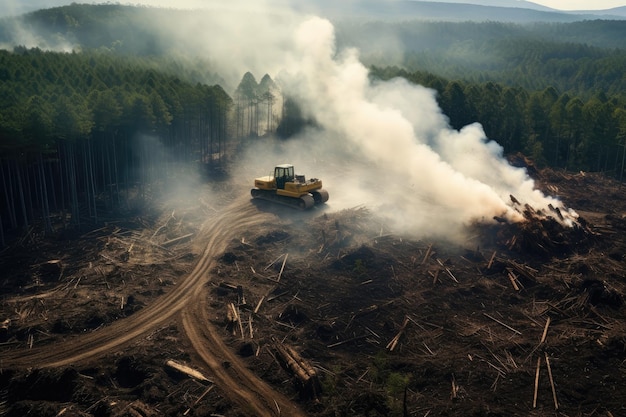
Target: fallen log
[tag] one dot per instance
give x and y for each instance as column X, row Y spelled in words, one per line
column 282, row 268
column 536, row 382
column 545, row 330
column 491, row 260
column 184, row 369
column 176, row 240
column 447, row 270
column 556, row 402
column 427, row 255
column 306, row 376
column 513, row 280
column 522, row 270
column 393, row 343
column 199, row 399
column 343, row 342
column 502, row 324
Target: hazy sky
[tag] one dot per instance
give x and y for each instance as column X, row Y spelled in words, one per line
column 581, row 4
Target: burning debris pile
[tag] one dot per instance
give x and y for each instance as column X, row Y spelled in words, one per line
column 546, row 234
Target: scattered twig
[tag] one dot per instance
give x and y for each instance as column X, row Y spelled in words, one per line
column 448, row 271
column 455, row 388
column 176, row 240
column 199, row 399
column 256, row 309
column 513, row 280
column 282, row 268
column 273, row 262
column 156, row 232
column 491, row 260
column 343, row 342
column 545, row 331
column 556, row 403
column 427, row 255
column 392, row 344
column 536, row 382
column 502, row 324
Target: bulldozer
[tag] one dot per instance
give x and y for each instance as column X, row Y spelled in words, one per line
column 286, row 188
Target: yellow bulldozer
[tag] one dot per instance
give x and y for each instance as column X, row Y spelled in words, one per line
column 287, row 188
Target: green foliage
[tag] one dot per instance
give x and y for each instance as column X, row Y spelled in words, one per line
column 396, row 383
column 331, row 380
column 395, row 386
column 81, row 119
column 579, row 57
column 393, row 383
column 359, row 267
column 557, row 129
column 61, row 95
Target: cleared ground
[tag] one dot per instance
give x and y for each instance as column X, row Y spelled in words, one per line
column 384, row 325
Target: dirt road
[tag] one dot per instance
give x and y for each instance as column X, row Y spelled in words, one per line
column 187, row 300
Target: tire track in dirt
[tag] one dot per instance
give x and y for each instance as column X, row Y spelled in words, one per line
column 240, row 384
column 244, row 387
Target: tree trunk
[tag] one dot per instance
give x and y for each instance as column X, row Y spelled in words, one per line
column 20, row 188
column 43, row 193
column 8, row 194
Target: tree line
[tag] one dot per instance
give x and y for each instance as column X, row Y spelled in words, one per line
column 77, row 130
column 556, row 129
column 578, row 58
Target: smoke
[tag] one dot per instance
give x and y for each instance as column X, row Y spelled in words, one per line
column 392, row 148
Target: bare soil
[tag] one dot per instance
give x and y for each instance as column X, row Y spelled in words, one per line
column 521, row 320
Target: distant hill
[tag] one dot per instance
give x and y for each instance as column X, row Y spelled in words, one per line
column 518, row 11
column 510, row 11
column 521, row 4
column 617, row 11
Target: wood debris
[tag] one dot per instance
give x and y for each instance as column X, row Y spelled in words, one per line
column 190, row 372
column 306, row 375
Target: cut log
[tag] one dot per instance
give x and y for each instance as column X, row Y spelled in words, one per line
column 176, row 240
column 427, row 255
column 556, row 402
column 190, row 372
column 273, row 262
column 306, row 376
column 502, row 324
column 447, row 270
column 545, row 331
column 282, row 268
column 392, row 344
column 522, row 270
column 491, row 260
column 258, row 306
column 513, row 280
column 536, row 382
column 206, row 391
column 343, row 342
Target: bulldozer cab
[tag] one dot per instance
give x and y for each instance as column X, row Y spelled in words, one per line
column 282, row 174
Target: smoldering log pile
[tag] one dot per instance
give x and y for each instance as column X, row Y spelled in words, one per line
column 544, row 233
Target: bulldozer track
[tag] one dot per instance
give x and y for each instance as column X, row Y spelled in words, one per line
column 187, row 301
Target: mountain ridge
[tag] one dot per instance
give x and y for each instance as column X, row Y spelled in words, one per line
column 520, row 11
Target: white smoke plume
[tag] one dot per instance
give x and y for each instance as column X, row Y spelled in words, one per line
column 426, row 177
